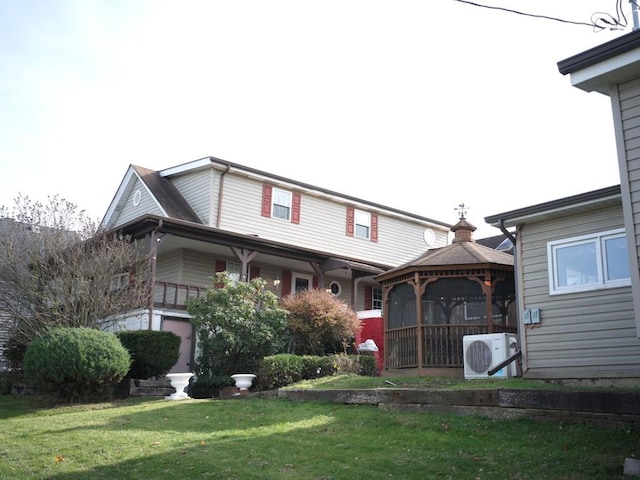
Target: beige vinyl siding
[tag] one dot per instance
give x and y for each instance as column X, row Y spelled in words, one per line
column 580, row 334
column 626, row 112
column 131, row 212
column 169, row 267
column 322, row 226
column 199, row 267
column 196, row 188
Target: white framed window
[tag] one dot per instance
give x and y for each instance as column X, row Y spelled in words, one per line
column 335, row 288
column 301, row 281
column 588, row 262
column 281, row 204
column 362, row 224
column 376, row 298
column 235, row 271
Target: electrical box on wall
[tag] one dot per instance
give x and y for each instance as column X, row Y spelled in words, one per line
column 535, row 315
column 531, row 316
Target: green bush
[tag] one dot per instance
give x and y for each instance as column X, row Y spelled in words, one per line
column 76, row 364
column 237, row 324
column 278, row 371
column 153, row 353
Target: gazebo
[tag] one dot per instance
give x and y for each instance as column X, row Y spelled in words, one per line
column 463, row 289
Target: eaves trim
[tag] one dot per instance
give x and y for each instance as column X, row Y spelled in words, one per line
column 600, row 53
column 527, row 214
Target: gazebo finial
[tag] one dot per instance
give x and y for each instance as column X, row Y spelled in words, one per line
column 462, row 211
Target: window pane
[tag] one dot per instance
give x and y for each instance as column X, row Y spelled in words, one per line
column 281, row 212
column 617, row 261
column 281, row 197
column 363, row 223
column 281, row 204
column 577, row 264
column 301, row 284
column 377, row 299
column 362, row 231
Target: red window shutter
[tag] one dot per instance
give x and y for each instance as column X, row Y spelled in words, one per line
column 286, row 283
column 351, row 221
column 254, row 272
column 266, row 200
column 315, row 282
column 368, row 297
column 374, row 227
column 295, row 211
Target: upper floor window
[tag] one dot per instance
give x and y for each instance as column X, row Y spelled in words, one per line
column 362, row 224
column 588, row 262
column 279, row 203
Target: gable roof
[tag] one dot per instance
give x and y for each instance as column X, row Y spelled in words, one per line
column 167, row 195
column 163, row 193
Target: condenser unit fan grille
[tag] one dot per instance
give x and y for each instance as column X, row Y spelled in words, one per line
column 478, row 356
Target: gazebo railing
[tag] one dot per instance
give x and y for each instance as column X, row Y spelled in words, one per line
column 441, row 345
column 401, row 347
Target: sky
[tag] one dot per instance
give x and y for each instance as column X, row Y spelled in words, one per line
column 420, row 105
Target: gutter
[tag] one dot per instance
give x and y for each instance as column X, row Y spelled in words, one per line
column 220, row 191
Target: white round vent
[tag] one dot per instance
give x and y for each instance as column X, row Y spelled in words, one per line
column 429, row 237
column 137, row 196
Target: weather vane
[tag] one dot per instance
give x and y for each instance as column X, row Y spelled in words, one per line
column 462, row 211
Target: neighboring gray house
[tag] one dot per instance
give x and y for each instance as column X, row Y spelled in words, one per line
column 576, row 319
column 589, row 326
column 211, row 215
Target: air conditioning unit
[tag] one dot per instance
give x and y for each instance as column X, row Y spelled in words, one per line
column 483, row 352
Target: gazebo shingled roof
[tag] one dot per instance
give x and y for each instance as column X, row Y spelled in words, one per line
column 462, row 252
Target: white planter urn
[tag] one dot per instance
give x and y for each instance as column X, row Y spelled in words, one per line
column 243, row 381
column 179, row 381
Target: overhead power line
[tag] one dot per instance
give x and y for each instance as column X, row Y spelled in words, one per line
column 599, row 20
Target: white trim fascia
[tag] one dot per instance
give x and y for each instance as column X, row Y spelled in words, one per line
column 600, row 76
column 515, row 221
column 187, row 167
column 126, row 186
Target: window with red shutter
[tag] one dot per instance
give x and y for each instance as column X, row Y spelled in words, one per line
column 350, row 221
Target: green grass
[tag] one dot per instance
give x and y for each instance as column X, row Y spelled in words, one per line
column 256, row 438
column 360, row 382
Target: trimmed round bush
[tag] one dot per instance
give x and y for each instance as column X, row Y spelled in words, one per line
column 76, row 363
column 153, row 353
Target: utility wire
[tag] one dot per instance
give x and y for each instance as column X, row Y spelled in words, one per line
column 599, row 20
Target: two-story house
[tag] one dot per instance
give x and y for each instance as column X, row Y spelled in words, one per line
column 211, row 215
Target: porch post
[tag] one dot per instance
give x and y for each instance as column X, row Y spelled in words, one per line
column 417, row 289
column 487, row 289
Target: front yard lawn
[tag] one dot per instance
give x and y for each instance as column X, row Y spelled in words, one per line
column 257, row 438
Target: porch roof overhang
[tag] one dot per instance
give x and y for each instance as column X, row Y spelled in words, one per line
column 145, row 225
